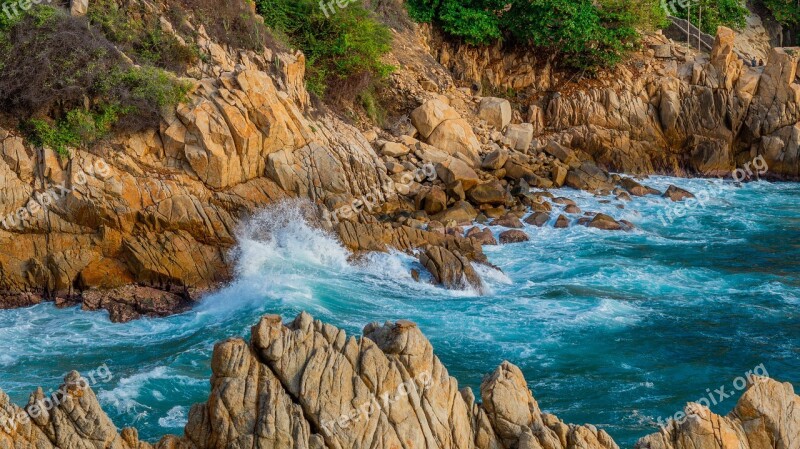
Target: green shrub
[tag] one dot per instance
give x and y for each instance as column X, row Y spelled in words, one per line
column 787, row 12
column 585, row 34
column 342, row 51
column 70, row 95
column 141, row 39
column 708, row 15
column 79, row 127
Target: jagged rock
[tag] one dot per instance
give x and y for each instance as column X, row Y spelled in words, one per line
column 676, row 194
column 496, row 112
column 765, row 417
column 308, row 385
column 450, row 269
column 513, row 236
column 561, row 222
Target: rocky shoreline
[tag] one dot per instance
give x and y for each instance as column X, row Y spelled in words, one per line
column 306, row 384
column 150, row 234
column 154, row 230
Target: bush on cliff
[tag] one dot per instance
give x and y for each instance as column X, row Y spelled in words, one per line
column 787, row 12
column 708, row 15
column 584, row 34
column 343, row 46
column 68, row 85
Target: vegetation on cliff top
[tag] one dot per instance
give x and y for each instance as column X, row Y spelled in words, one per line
column 343, row 46
column 583, row 34
column 68, row 85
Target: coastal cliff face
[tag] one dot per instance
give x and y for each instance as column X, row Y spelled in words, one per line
column 307, row 385
column 144, row 224
column 669, row 110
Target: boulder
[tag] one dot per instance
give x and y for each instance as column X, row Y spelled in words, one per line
column 483, row 236
column 434, row 201
column 456, row 138
column 450, row 269
column 432, row 113
column 513, row 236
column 538, row 219
column 558, row 175
column 491, row 192
column 636, row 189
column 496, row 112
column 606, row 222
column 461, row 212
column 562, row 222
column 519, row 136
column 393, row 149
column 495, row 160
column 563, row 154
column 508, row 221
column 455, row 170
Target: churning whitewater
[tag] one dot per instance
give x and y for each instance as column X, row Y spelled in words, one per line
column 616, row 329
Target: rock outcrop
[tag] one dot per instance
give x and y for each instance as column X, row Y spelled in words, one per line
column 767, row 416
column 684, row 112
column 308, row 385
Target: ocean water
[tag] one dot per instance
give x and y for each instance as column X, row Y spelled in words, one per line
column 611, row 328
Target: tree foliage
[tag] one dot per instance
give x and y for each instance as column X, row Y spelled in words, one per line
column 586, row 34
column 343, row 48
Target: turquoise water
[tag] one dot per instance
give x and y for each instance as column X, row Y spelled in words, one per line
column 614, row 329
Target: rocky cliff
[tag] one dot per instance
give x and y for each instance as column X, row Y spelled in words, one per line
column 142, row 225
column 307, row 385
column 669, row 110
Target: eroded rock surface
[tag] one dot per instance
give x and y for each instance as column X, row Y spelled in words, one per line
column 308, row 385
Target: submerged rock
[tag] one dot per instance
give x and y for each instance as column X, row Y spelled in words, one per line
column 513, row 236
column 677, row 194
